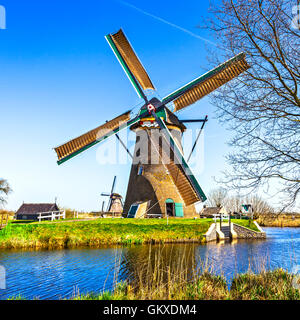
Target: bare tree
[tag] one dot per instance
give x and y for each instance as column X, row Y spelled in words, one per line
column 258, row 204
column 217, row 197
column 4, row 190
column 262, row 106
column 234, row 203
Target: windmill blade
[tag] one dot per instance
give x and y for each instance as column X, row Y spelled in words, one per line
column 182, row 176
column 108, row 205
column 89, row 139
column 130, row 62
column 113, row 185
column 105, row 194
column 205, row 84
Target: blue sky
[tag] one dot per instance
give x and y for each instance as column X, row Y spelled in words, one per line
column 59, row 79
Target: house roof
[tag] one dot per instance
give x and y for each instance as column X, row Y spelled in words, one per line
column 210, row 210
column 35, row 208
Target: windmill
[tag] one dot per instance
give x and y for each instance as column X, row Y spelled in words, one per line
column 168, row 185
column 115, row 204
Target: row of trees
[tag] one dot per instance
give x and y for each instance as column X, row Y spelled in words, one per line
column 220, row 198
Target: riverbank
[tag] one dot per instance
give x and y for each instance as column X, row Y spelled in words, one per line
column 279, row 220
column 270, row 285
column 99, row 232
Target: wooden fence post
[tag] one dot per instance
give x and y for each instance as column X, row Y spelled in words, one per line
column 64, row 216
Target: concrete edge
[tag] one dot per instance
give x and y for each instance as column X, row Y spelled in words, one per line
column 247, row 228
column 208, row 233
column 259, row 227
column 234, row 235
column 220, row 234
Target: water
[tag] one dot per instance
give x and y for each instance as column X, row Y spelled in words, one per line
column 63, row 273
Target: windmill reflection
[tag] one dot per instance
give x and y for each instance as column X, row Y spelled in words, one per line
column 156, row 264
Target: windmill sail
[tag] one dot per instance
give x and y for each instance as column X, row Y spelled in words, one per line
column 129, row 61
column 210, row 81
column 182, row 176
column 87, row 140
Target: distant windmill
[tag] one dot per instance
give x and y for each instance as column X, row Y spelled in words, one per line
column 115, row 203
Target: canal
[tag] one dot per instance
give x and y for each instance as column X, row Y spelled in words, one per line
column 62, row 274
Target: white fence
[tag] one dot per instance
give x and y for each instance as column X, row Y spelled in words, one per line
column 222, row 216
column 54, row 215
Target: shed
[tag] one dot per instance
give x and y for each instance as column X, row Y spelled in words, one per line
column 210, row 211
column 30, row 211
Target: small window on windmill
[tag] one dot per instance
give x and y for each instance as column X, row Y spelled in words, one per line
column 132, row 211
column 138, row 210
column 138, row 153
column 140, row 170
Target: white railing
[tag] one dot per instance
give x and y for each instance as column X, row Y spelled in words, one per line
column 54, row 215
column 222, row 216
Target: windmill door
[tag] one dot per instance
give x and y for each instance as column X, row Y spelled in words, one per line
column 178, row 210
column 170, row 208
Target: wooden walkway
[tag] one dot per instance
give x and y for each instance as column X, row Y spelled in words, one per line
column 3, row 220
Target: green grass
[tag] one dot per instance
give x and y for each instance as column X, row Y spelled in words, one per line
column 94, row 233
column 246, row 223
column 271, row 285
column 102, row 232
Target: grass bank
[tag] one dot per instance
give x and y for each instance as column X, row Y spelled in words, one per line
column 94, row 233
column 279, row 220
column 270, row 285
column 182, row 276
column 70, row 234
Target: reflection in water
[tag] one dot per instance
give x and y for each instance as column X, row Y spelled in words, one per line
column 63, row 273
column 159, row 263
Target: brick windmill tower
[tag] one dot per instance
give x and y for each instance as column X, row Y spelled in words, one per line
column 160, row 175
column 154, row 177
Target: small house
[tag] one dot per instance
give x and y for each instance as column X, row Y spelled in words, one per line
column 31, row 211
column 209, row 212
